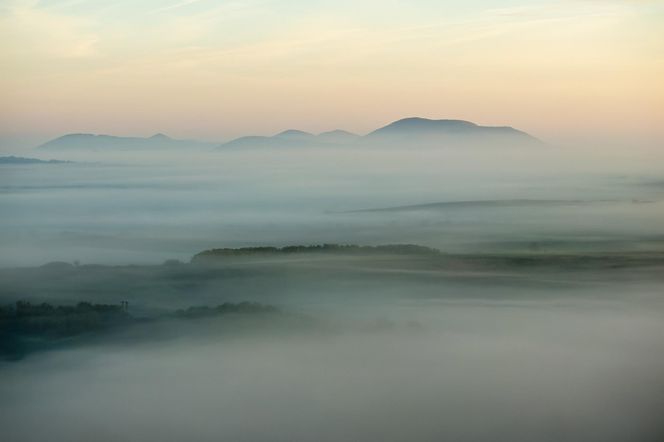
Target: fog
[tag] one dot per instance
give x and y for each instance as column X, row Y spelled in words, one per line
column 146, row 207
column 477, row 371
column 542, row 318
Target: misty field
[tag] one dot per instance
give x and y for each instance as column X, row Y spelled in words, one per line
column 331, row 221
column 530, row 309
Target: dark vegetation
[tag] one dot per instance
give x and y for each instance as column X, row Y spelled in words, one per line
column 160, row 296
column 269, row 275
column 26, row 327
column 432, row 258
column 340, row 249
column 43, row 319
column 355, row 260
column 223, row 309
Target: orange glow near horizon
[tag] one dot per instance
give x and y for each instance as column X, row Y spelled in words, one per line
column 575, row 69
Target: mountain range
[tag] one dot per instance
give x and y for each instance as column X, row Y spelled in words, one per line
column 12, row 160
column 405, row 132
column 295, row 138
column 106, row 142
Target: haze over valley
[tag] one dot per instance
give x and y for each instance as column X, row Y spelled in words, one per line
column 331, row 221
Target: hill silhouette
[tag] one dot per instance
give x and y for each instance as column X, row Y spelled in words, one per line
column 407, row 132
column 109, row 142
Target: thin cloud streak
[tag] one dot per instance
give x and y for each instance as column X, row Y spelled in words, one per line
column 174, row 6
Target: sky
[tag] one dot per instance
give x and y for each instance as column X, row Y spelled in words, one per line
column 569, row 70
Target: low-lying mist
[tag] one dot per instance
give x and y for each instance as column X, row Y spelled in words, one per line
column 146, row 207
column 541, row 318
column 475, row 371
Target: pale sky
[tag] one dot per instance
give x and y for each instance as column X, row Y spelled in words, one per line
column 214, row 70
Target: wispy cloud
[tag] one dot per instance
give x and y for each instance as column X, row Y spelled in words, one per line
column 561, row 10
column 173, row 6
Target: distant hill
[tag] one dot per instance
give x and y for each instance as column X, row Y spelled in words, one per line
column 294, row 138
column 109, row 142
column 405, row 132
column 416, row 126
column 23, row 160
column 450, row 132
column 488, row 204
column 338, row 136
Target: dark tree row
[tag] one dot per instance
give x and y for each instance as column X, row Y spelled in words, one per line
column 225, row 308
column 396, row 249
